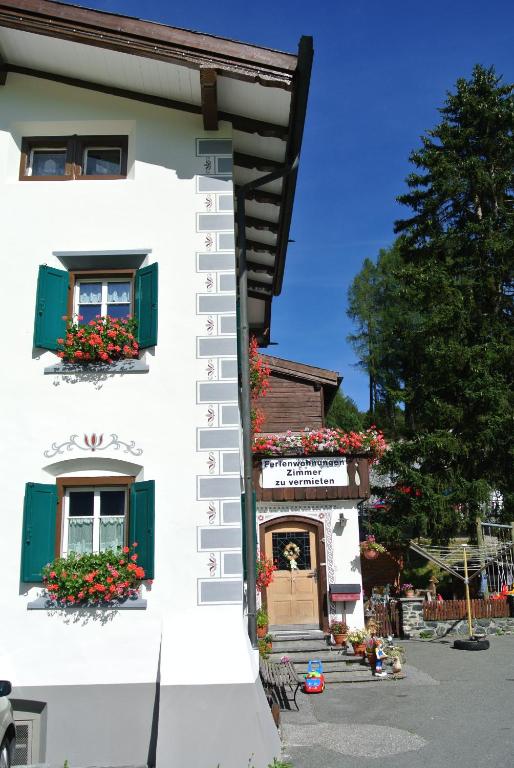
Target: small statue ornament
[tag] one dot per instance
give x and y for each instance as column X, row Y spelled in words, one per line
column 380, row 655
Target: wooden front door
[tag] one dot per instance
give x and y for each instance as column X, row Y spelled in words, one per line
column 293, row 596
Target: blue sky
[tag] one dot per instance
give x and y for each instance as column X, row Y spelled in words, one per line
column 381, row 70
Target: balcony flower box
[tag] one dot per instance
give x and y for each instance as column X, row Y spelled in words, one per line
column 319, row 442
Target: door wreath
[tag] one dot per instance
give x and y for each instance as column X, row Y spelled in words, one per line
column 292, row 553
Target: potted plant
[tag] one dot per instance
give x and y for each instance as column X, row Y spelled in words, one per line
column 357, row 638
column 262, row 623
column 370, row 548
column 265, row 646
column 339, row 630
column 407, row 589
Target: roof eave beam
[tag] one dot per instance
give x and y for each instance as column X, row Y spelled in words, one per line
column 266, row 165
column 209, row 96
column 256, row 247
column 3, row 71
column 245, row 125
column 266, row 198
column 261, row 224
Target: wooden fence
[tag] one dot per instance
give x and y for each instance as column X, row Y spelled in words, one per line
column 388, row 618
column 453, row 610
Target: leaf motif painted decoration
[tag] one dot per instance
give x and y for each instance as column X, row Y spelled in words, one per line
column 211, row 463
column 209, row 324
column 211, row 512
column 212, row 564
column 211, row 370
column 209, row 242
column 92, row 443
column 211, row 415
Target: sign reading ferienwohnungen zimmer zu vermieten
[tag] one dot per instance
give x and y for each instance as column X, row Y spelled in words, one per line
column 304, row 472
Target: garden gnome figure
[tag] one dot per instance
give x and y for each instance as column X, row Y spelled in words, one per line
column 380, row 655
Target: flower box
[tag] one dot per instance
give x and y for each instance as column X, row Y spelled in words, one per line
column 91, row 579
column 102, row 341
column 320, row 442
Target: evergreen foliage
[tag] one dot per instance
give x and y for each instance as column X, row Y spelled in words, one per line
column 343, row 413
column 434, row 321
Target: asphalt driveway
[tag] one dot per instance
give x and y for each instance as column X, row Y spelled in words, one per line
column 454, row 708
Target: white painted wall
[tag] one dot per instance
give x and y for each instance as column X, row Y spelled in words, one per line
column 155, row 208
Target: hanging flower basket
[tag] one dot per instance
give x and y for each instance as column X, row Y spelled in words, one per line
column 371, row 549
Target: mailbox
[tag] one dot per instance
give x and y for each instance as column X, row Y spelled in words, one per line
column 347, row 593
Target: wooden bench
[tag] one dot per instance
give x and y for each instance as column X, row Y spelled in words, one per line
column 276, row 678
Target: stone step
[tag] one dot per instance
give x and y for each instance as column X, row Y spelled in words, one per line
column 325, row 655
column 332, row 666
column 299, row 645
column 292, row 636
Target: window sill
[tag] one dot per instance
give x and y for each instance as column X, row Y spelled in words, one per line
column 44, row 604
column 120, row 366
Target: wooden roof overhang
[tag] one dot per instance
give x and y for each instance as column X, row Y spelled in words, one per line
column 261, row 92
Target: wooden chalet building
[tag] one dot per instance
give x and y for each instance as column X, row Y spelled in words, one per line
column 322, row 520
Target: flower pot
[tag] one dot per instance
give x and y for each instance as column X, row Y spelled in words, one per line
column 370, row 554
column 359, row 649
column 262, row 632
column 397, row 665
column 340, row 639
column 409, row 593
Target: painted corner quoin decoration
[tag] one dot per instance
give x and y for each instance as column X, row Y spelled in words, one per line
column 218, row 435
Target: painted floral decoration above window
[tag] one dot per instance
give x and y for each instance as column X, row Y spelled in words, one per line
column 102, row 340
column 322, row 441
column 94, row 578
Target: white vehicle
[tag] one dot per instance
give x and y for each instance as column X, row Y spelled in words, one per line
column 7, row 730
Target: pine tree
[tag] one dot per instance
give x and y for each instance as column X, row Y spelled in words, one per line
column 445, row 352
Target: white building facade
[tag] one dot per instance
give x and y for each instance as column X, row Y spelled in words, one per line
column 118, row 162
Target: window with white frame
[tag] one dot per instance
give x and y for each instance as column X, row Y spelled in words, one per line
column 95, row 297
column 94, row 519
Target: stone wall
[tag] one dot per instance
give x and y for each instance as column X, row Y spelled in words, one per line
column 415, row 627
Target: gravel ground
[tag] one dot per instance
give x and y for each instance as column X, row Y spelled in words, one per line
column 454, row 708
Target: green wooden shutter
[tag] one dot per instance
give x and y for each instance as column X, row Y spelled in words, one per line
column 51, row 306
column 142, row 523
column 39, row 516
column 146, row 305
column 243, row 529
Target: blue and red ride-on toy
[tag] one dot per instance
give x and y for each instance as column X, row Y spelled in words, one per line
column 314, row 679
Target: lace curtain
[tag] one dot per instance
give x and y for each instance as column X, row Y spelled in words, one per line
column 80, row 534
